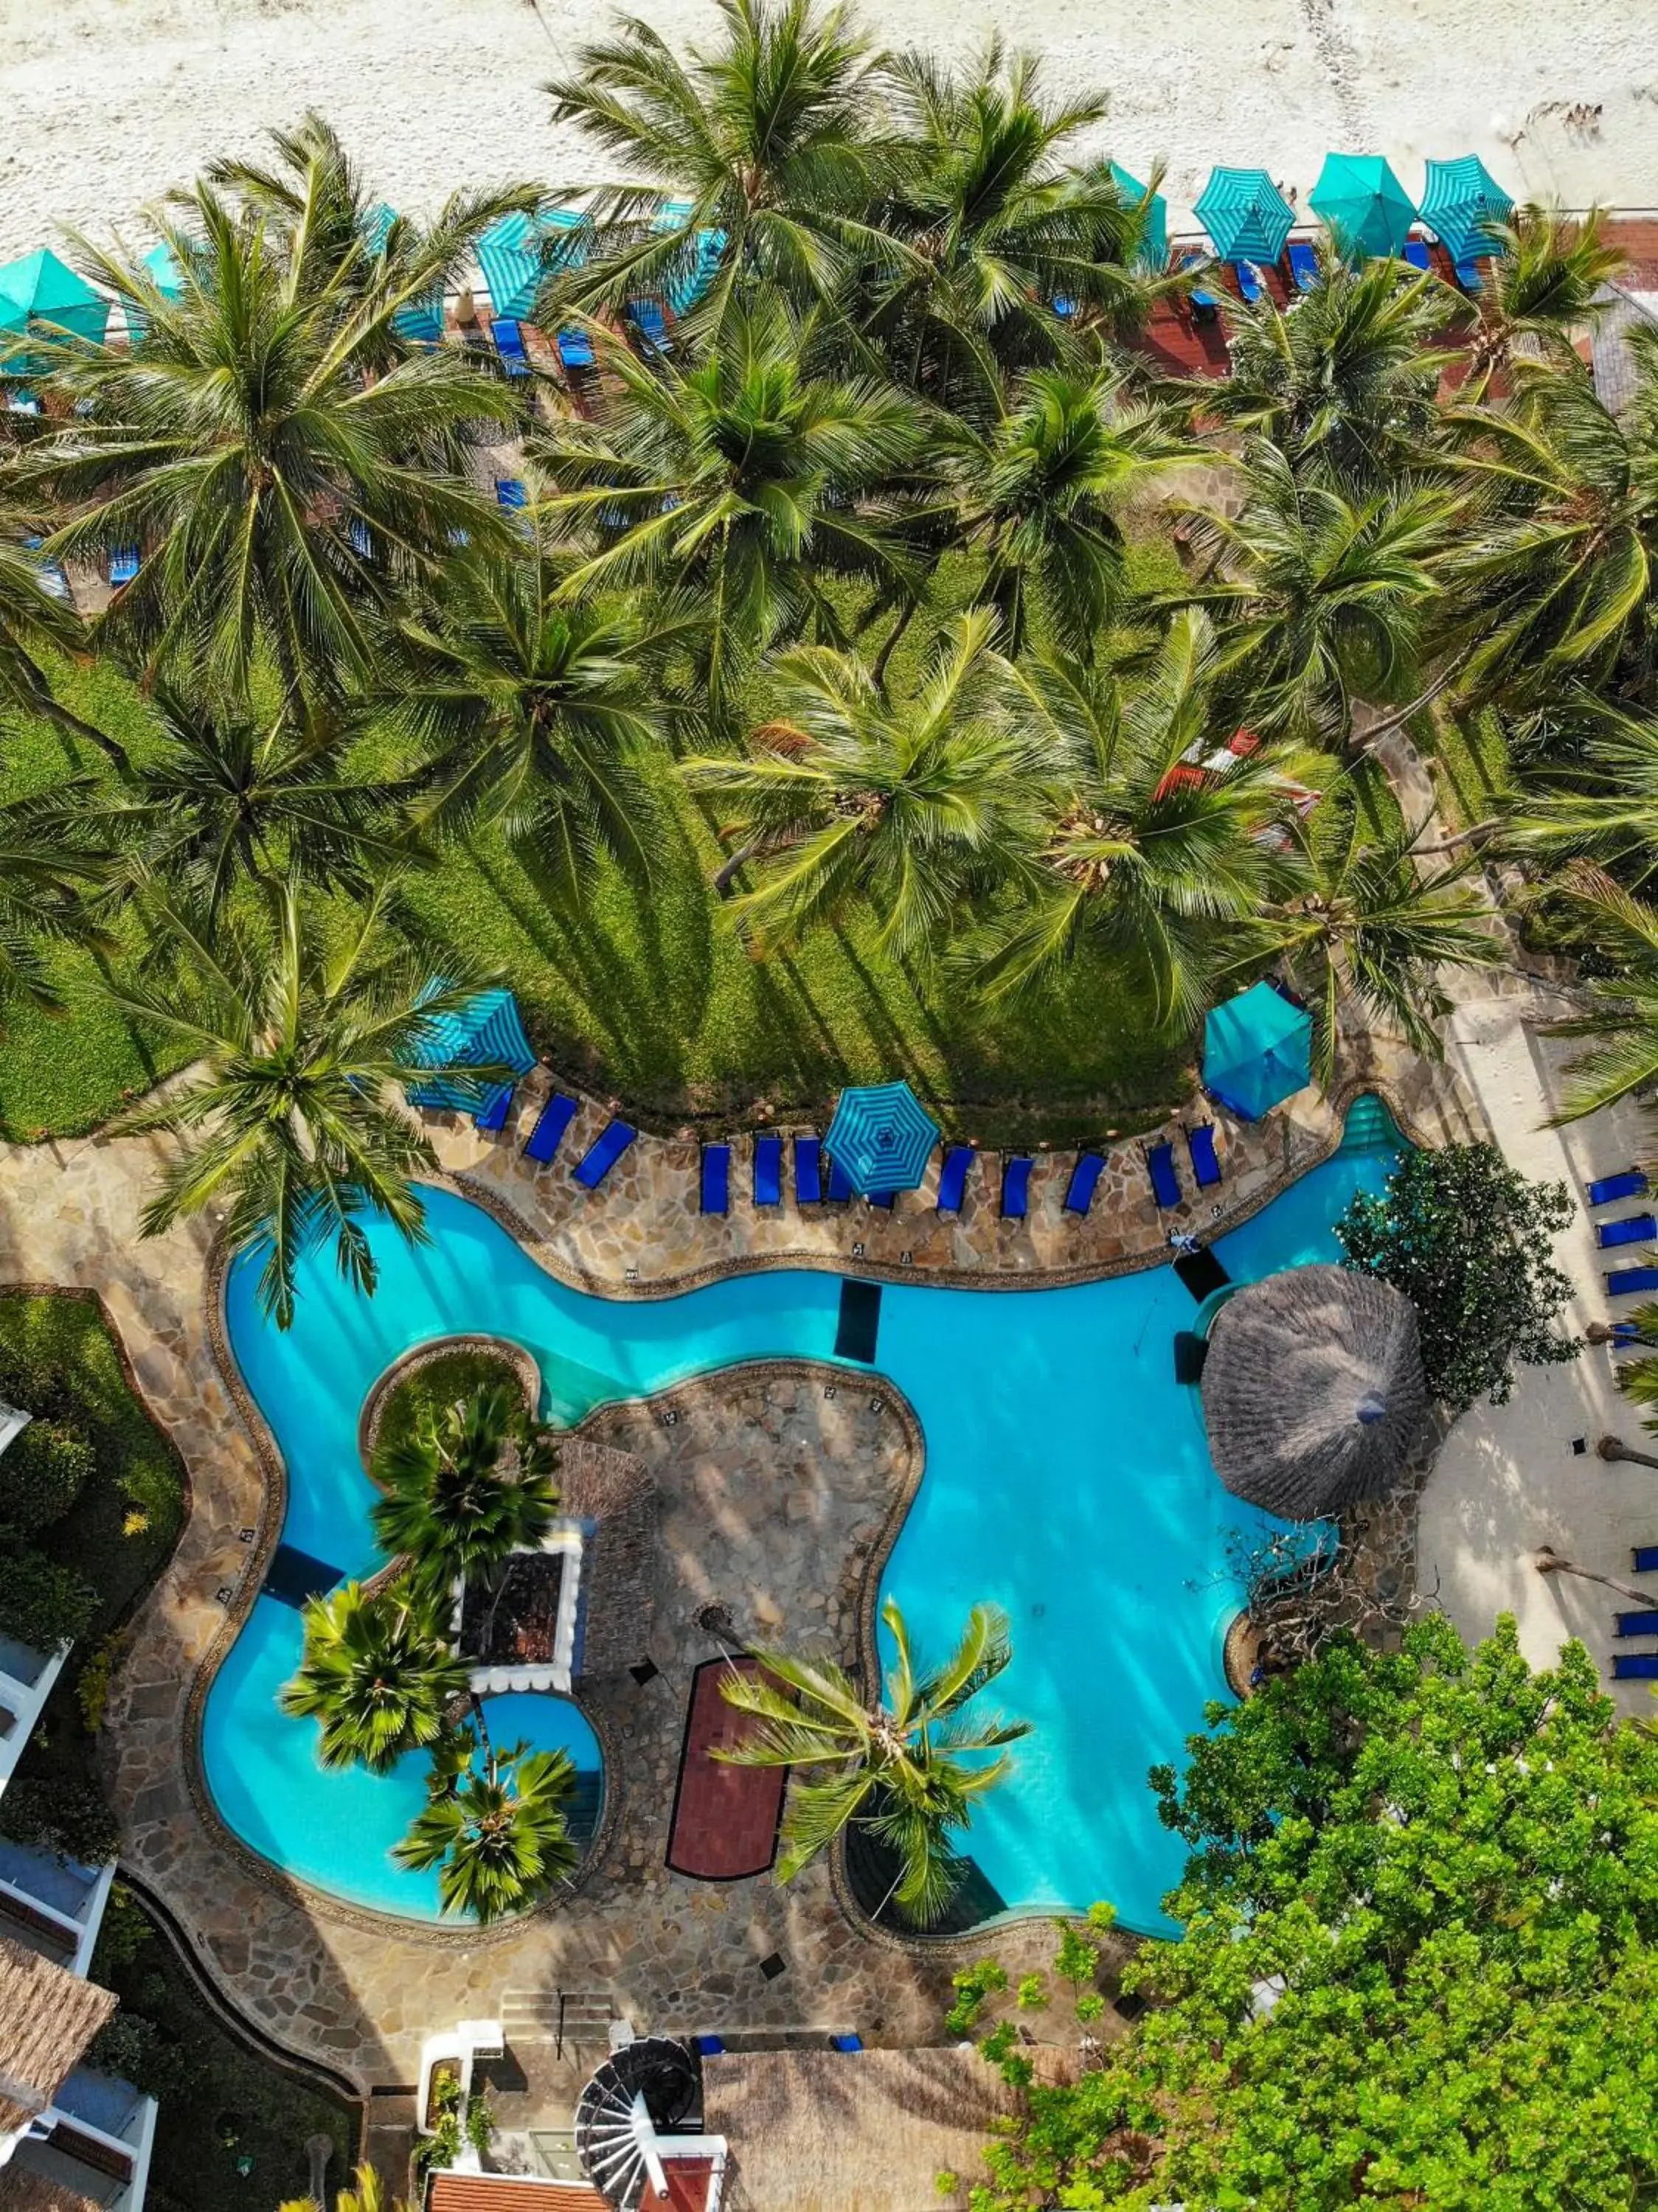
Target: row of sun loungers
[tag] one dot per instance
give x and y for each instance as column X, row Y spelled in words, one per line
column 1637, row 1666
column 1304, row 274
column 1632, row 1229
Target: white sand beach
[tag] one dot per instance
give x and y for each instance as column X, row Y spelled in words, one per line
column 109, row 103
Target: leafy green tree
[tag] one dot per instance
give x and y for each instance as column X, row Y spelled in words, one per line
column 470, row 1484
column 44, row 1603
column 495, row 1828
column 302, row 1037
column 1469, row 1242
column 908, row 1769
column 45, row 1471
column 909, row 806
column 58, row 1813
column 378, row 1673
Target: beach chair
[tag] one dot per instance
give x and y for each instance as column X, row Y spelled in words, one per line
column 1468, row 275
column 846, row 2043
column 953, row 1178
column 885, row 1199
column 53, row 581
column 602, row 1154
column 708, row 2046
column 123, row 564
column 491, row 1117
column 1415, row 256
column 1635, row 1623
column 362, row 545
column 1633, row 1229
column 576, row 349
column 1165, row 1183
column 1250, row 288
column 510, row 493
column 1084, row 1177
column 768, row 1171
column 1304, row 266
column 716, row 1179
column 1205, row 304
column 1016, row 1188
column 809, row 1171
column 1643, row 1559
column 551, row 1123
column 509, row 345
column 648, row 319
column 840, row 1184
column 1635, row 1667
column 1205, row 1168
column 1630, row 1183
column 1624, row 1280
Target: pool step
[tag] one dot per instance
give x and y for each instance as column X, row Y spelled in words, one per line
column 558, row 2016
column 859, row 1326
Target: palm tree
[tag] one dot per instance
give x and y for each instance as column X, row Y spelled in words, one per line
column 284, row 486
column 907, row 1769
column 740, row 479
column 1358, row 922
column 291, row 1122
column 1546, row 285
column 909, row 807
column 33, row 620
column 497, row 1831
column 226, row 798
column 1593, row 793
column 377, row 1673
column 1624, row 1017
column 532, row 713
column 49, row 868
column 1143, row 846
column 469, row 1485
column 764, row 142
column 1040, row 495
column 1344, row 382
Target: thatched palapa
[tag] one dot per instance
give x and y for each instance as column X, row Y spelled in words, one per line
column 47, row 2018
column 1313, row 1392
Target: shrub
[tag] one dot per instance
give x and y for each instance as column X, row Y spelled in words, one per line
column 43, row 1604
column 71, row 1819
column 42, row 1474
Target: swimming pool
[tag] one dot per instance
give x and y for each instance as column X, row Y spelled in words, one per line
column 1067, row 1480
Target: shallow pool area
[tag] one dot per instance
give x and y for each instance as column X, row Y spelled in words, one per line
column 1067, row 1478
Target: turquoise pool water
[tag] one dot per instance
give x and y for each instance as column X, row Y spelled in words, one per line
column 1067, row 1480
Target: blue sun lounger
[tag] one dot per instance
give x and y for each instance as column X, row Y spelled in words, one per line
column 885, row 1199
column 651, row 324
column 1415, row 256
column 716, row 1179
column 1250, row 287
column 1635, row 1623
column 1016, row 1188
column 53, row 581
column 1205, row 1168
column 509, row 493
column 1165, row 1183
column 1644, row 1558
column 551, row 1123
column 1635, row 1666
column 602, row 1154
column 1205, row 304
column 809, row 1171
column 574, row 349
column 1304, row 266
column 491, row 1117
column 768, row 1171
column 953, row 1178
column 1633, row 1229
column 123, row 564
column 1079, row 1191
column 840, row 1184
column 509, row 345
column 1622, row 1280
column 1468, row 275
column 1632, row 1183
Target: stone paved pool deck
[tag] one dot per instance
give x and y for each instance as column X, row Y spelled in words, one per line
column 775, row 1496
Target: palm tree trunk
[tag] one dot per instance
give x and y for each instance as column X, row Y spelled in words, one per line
column 483, row 1726
column 879, row 672
column 1389, row 723
column 53, row 711
column 1549, row 1562
column 739, row 859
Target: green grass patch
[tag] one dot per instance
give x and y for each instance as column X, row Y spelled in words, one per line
column 1473, row 778
column 443, row 1381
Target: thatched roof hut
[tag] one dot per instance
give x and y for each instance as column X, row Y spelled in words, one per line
column 47, row 2018
column 1313, row 1392
column 822, row 2130
column 615, row 1494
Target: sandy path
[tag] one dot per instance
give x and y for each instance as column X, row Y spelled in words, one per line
column 110, row 102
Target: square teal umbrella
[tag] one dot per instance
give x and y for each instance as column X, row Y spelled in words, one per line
column 49, row 291
column 421, row 322
column 1246, row 215
column 1364, row 206
column 1258, row 1051
column 881, row 1138
column 1462, row 203
column 1154, row 241
column 486, row 1032
column 509, row 255
column 160, row 265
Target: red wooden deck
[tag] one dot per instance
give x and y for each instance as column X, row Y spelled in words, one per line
column 725, row 1818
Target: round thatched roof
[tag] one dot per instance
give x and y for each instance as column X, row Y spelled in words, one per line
column 1313, row 1391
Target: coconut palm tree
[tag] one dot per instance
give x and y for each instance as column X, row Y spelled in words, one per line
column 1545, row 287
column 496, row 1828
column 226, row 798
column 760, row 147
column 1592, row 789
column 909, row 1767
column 281, row 486
column 1624, row 1017
column 377, row 1673
column 468, row 1487
column 1142, row 846
column 290, row 1121
column 49, row 868
column 739, row 476
column 909, row 807
column 33, row 621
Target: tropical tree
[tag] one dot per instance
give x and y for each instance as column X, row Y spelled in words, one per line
column 739, row 476
column 909, row 806
column 495, row 1827
column 469, row 1485
column 1153, row 837
column 1622, row 1017
column 377, row 1673
column 366, row 2194
column 35, row 621
column 291, row 1122
column 281, row 481
column 1546, row 286
column 48, row 866
column 908, row 1770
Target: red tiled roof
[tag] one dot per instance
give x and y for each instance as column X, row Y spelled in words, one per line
column 510, row 2192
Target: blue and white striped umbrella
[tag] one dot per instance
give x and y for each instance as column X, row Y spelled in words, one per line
column 881, row 1138
column 486, row 1032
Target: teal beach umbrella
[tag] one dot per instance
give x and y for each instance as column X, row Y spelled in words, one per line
column 1246, row 215
column 1461, row 204
column 49, row 291
column 486, row 1032
column 420, row 323
column 1258, row 1051
column 1153, row 244
column 881, row 1138
column 509, row 255
column 160, row 265
column 1364, row 206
